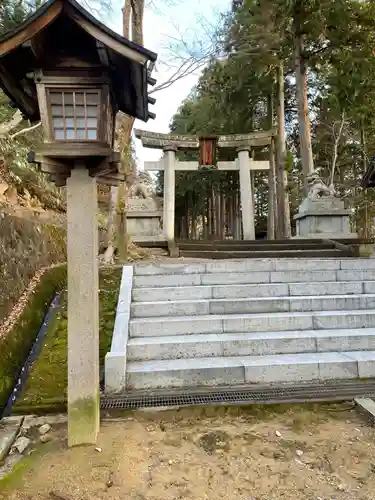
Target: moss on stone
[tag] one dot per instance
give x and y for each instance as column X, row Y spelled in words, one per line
column 366, row 250
column 15, row 346
column 84, row 420
column 13, row 478
column 47, row 381
column 26, row 465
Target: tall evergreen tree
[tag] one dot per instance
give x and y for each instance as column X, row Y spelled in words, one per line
column 334, row 89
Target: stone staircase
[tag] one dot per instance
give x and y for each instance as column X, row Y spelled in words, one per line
column 251, row 321
column 271, row 249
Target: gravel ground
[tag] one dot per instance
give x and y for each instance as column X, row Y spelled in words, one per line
column 212, row 453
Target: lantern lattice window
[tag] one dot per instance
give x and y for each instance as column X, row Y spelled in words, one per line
column 75, row 114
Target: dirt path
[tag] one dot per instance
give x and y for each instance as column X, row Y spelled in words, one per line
column 236, row 454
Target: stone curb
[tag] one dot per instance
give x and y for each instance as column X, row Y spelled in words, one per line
column 9, row 429
column 115, row 360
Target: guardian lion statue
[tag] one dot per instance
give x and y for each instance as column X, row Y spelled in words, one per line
column 140, row 185
column 317, row 188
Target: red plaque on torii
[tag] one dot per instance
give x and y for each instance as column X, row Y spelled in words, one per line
column 208, row 147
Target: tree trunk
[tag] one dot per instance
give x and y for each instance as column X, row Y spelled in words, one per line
column 122, row 236
column 209, row 225
column 303, row 110
column 137, row 9
column 287, row 225
column 223, row 224
column 111, row 223
column 126, row 14
column 365, row 165
column 280, row 156
column 271, row 177
column 117, row 208
column 238, row 221
column 364, row 147
column 132, row 16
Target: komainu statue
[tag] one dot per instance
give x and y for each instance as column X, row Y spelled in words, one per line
column 317, row 188
column 139, row 190
column 140, row 186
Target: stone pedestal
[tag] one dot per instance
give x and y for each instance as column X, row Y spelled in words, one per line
column 144, row 219
column 83, row 308
column 325, row 218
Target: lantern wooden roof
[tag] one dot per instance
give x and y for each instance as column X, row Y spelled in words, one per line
column 62, row 34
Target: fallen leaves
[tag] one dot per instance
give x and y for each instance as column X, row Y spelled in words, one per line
column 19, row 307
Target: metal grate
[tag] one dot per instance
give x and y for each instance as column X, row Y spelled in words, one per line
column 311, row 392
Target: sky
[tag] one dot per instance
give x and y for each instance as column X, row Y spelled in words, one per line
column 171, row 19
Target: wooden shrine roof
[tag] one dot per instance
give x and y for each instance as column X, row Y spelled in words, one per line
column 61, row 33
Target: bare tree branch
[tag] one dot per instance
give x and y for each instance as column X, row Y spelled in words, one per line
column 187, row 55
column 336, row 146
column 185, row 69
column 97, row 7
column 6, row 127
column 25, row 130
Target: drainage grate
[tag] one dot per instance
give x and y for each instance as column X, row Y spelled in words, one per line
column 260, row 394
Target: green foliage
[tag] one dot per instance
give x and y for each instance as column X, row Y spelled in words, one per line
column 47, row 382
column 15, row 346
column 6, row 110
column 13, row 13
column 18, row 172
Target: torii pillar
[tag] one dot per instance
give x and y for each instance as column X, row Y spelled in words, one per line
column 169, row 192
column 247, row 202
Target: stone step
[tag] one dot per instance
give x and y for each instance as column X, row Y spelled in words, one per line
column 258, row 246
column 250, row 344
column 243, row 243
column 255, row 277
column 243, row 266
column 252, row 305
column 265, row 253
column 253, row 290
column 237, row 323
column 239, row 370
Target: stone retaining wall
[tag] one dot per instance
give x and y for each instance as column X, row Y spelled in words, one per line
column 25, row 247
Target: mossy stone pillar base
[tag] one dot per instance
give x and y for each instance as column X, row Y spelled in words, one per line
column 83, row 308
column 83, row 421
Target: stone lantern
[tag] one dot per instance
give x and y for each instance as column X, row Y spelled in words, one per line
column 67, row 69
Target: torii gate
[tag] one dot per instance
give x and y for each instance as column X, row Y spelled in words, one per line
column 171, row 143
